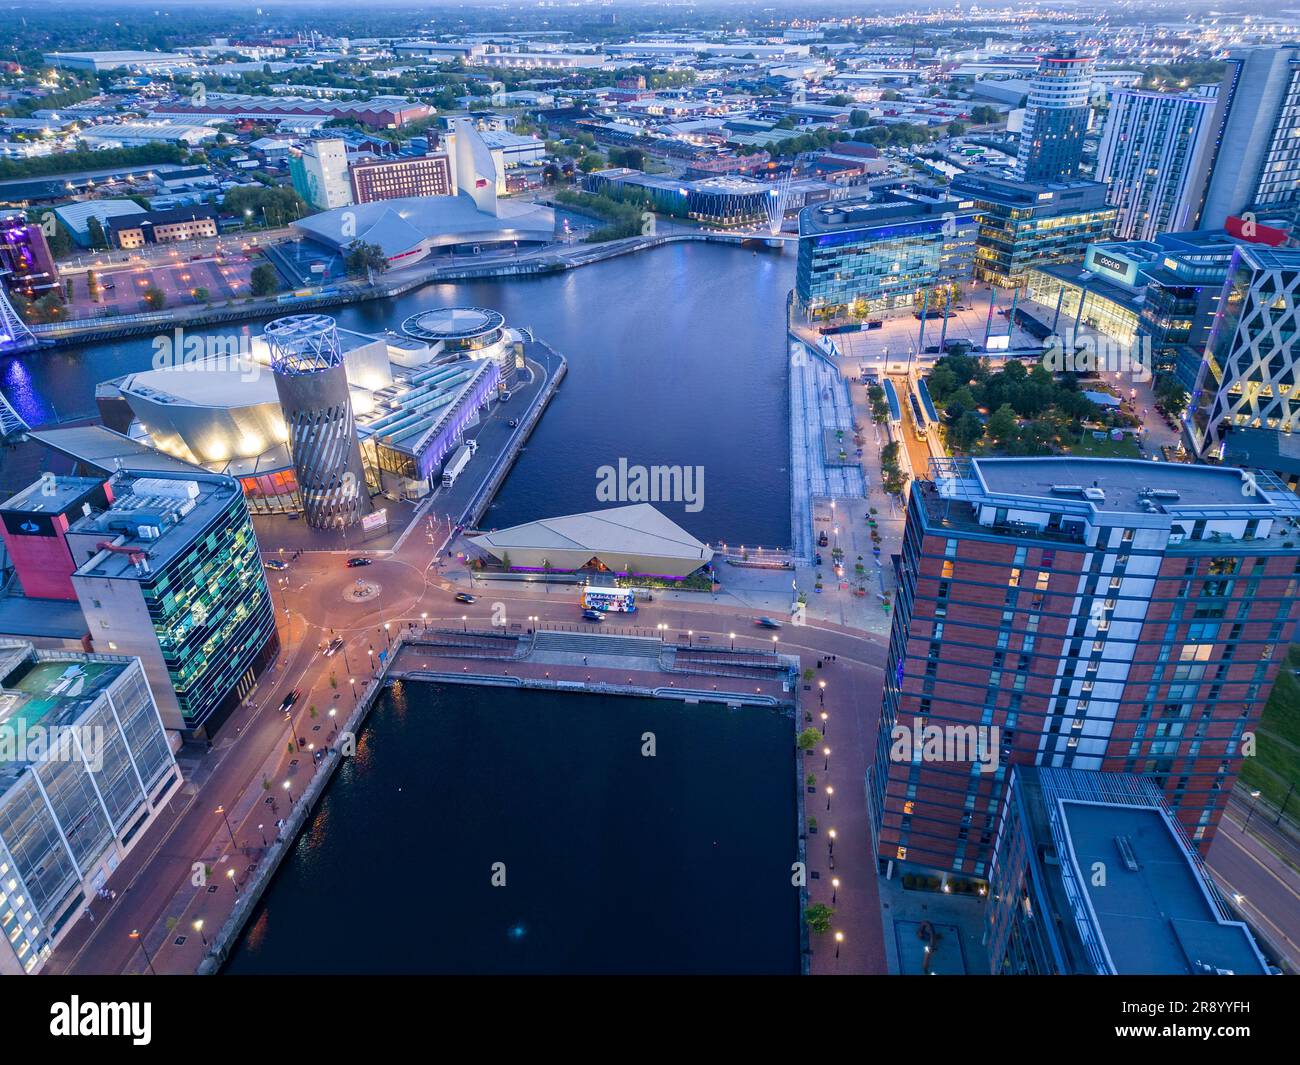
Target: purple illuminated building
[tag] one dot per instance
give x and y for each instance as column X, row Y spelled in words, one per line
column 26, row 265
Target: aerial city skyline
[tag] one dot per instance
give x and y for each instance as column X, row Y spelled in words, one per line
column 813, row 489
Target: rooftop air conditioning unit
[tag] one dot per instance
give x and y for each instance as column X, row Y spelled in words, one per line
column 1096, row 494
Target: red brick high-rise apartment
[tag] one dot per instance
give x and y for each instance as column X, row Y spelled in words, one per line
column 1099, row 614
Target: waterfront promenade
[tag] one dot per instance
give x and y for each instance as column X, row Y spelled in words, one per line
column 155, row 889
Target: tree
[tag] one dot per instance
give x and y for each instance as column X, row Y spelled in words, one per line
column 808, row 739
column 95, row 232
column 818, row 917
column 201, row 295
column 365, row 260
column 264, row 280
column 59, row 240
column 1002, row 424
column 154, row 298
column 966, row 432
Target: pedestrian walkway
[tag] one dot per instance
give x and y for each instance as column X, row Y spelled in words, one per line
column 819, row 404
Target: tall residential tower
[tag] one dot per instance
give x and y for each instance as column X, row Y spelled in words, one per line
column 1094, row 614
column 1056, row 118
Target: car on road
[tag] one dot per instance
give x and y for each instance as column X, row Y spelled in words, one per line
column 592, row 615
column 333, row 647
column 290, row 699
column 768, row 623
column 276, row 564
column 360, row 560
column 465, row 597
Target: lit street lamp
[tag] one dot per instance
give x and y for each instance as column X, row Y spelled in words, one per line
column 829, row 792
column 290, row 791
column 835, row 888
column 831, row 840
column 222, row 811
column 198, row 927
column 1254, row 797
column 839, row 938
column 826, row 753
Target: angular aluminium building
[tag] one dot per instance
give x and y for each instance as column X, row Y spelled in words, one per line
column 85, row 766
column 1155, row 159
column 1051, row 142
column 1106, row 615
column 312, row 383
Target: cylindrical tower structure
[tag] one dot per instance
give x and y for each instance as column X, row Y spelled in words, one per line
column 312, row 384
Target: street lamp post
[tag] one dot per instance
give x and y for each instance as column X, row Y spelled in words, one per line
column 839, row 938
column 829, row 792
column 230, row 875
column 830, row 841
column 826, row 753
column 290, row 791
column 262, row 829
column 135, row 934
column 222, row 811
column 1254, row 795
column 198, row 927
column 835, row 888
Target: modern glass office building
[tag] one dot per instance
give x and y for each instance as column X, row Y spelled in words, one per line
column 171, row 574
column 84, row 767
column 894, row 251
column 1024, row 225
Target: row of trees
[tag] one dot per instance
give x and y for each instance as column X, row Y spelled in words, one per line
column 84, row 159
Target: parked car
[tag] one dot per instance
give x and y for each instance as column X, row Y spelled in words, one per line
column 359, row 561
column 275, row 564
column 465, row 597
column 290, row 699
